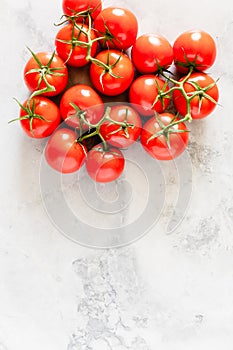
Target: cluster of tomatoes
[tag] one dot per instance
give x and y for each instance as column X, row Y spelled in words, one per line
column 119, row 62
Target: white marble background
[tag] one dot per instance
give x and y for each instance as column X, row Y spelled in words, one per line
column 165, row 292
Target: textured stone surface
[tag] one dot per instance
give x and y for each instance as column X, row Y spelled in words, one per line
column 166, row 291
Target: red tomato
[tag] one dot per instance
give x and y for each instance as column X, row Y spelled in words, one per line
column 151, row 52
column 104, row 166
column 71, row 44
column 86, row 100
column 201, row 105
column 143, row 93
column 157, row 146
column 72, row 7
column 46, row 66
column 63, row 153
column 119, row 26
column 117, row 78
column 194, row 48
column 125, row 135
column 39, row 117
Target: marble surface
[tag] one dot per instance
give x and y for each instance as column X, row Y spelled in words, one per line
column 166, row 291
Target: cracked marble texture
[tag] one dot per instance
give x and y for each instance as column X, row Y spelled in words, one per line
column 166, row 291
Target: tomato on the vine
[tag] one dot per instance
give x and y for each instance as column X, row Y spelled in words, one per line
column 104, row 165
column 72, row 7
column 169, row 144
column 118, row 26
column 151, row 52
column 145, row 94
column 81, row 100
column 201, row 105
column 63, row 153
column 72, row 44
column 115, row 75
column 39, row 117
column 194, row 48
column 46, row 71
column 124, row 128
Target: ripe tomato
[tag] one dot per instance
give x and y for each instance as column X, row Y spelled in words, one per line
column 125, row 135
column 117, row 78
column 143, row 93
column 201, row 105
column 72, row 7
column 46, row 67
column 104, row 165
column 118, row 25
column 87, row 102
column 63, row 153
column 151, row 52
column 158, row 146
column 194, row 48
column 39, row 117
column 71, row 44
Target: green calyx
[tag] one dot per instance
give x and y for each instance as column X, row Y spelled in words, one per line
column 29, row 109
column 43, row 71
column 167, row 130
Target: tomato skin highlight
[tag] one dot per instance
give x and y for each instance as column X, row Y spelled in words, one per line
column 104, row 166
column 63, row 153
column 84, row 97
column 196, row 47
column 70, row 7
column 118, row 136
column 58, row 82
column 79, row 53
column 157, row 147
column 121, row 23
column 45, row 108
column 199, row 108
column 143, row 92
column 106, row 83
column 151, row 52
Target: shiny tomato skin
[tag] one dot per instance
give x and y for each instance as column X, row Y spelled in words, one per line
column 87, row 100
column 143, row 92
column 195, row 46
column 45, row 108
column 106, row 83
column 151, row 52
column 199, row 108
column 63, row 153
column 79, row 53
column 70, row 7
column 104, row 166
column 58, row 82
column 118, row 136
column 158, row 147
column 122, row 25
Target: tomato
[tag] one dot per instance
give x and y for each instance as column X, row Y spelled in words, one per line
column 194, row 48
column 104, row 165
column 143, row 93
column 39, row 117
column 71, row 44
column 151, row 52
column 124, row 135
column 119, row 26
column 201, row 105
column 46, row 67
column 71, row 7
column 157, row 146
column 63, row 153
column 86, row 100
column 117, row 78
